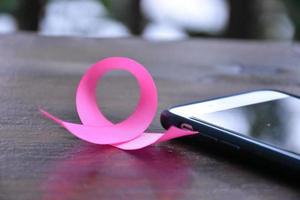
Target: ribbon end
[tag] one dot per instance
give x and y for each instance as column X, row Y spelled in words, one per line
column 48, row 115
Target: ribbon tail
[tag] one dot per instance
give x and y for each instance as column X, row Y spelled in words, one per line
column 93, row 134
column 75, row 129
column 53, row 118
column 147, row 139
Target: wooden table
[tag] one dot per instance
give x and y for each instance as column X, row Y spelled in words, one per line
column 40, row 160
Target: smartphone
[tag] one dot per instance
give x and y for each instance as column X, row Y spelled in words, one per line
column 263, row 122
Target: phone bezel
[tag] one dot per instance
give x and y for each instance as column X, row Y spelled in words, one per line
column 225, row 103
column 248, row 143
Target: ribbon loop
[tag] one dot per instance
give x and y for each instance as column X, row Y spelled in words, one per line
column 127, row 134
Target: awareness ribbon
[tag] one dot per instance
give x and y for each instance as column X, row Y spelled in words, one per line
column 129, row 134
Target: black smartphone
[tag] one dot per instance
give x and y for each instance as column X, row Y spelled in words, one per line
column 264, row 122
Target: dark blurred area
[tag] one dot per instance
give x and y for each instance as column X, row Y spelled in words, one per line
column 154, row 19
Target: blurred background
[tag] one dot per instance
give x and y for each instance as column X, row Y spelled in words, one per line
column 154, row 19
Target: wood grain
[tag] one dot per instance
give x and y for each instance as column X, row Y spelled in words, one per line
column 40, row 160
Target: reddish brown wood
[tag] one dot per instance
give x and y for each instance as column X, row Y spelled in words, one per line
column 40, row 160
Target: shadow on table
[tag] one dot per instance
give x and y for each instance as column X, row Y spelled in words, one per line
column 244, row 160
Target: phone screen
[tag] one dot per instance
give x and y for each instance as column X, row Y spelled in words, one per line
column 275, row 122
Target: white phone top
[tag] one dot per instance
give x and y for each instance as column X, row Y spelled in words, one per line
column 192, row 110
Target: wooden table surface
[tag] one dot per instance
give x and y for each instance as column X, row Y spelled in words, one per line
column 40, row 160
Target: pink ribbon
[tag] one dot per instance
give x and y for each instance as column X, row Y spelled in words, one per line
column 129, row 134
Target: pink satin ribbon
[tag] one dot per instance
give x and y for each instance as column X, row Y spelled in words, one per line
column 129, row 134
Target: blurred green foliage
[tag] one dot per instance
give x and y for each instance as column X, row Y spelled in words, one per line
column 293, row 7
column 8, row 5
column 242, row 24
column 106, row 3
